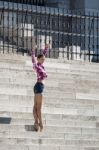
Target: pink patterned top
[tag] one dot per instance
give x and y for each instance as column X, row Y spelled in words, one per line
column 39, row 68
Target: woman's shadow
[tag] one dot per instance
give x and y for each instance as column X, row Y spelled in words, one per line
column 30, row 128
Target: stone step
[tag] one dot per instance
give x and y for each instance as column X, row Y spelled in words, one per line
column 29, row 71
column 30, row 82
column 77, row 82
column 15, row 74
column 30, row 75
column 59, row 95
column 54, row 129
column 60, row 101
column 12, row 77
column 54, row 142
column 91, row 96
column 49, row 129
column 18, row 83
column 52, row 71
column 45, row 135
column 33, row 135
column 44, row 109
column 55, row 88
column 26, row 147
column 79, row 148
column 46, row 103
column 65, row 68
column 50, row 86
column 12, row 74
column 20, row 58
column 46, row 116
column 50, row 110
column 45, row 147
column 62, row 85
column 54, row 122
column 26, row 92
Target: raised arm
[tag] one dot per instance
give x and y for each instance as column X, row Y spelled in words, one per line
column 45, row 49
column 33, row 58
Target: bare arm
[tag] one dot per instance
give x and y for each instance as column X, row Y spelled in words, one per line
column 46, row 49
column 33, row 57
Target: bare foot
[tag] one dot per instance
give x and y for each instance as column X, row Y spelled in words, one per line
column 36, row 127
column 41, row 127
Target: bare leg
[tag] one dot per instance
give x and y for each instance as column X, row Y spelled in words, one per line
column 38, row 98
column 35, row 112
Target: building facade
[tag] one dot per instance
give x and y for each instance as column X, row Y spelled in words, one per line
column 75, row 4
column 58, row 3
column 68, row 25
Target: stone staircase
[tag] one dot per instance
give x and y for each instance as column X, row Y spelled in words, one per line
column 70, row 105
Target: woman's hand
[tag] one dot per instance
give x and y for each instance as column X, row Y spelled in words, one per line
column 34, row 48
column 46, row 45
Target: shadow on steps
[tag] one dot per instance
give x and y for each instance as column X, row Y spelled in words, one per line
column 29, row 128
column 5, row 120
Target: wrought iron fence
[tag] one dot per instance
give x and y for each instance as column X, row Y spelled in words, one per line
column 70, row 34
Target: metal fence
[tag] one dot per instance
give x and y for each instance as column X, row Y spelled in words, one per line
column 70, row 34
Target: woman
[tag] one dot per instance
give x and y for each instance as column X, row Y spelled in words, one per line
column 38, row 87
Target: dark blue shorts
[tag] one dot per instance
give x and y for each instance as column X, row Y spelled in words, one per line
column 38, row 88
